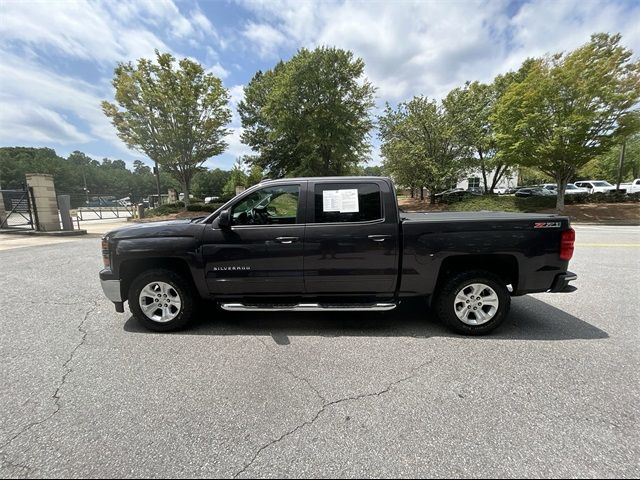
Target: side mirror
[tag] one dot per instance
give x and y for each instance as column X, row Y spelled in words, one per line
column 224, row 220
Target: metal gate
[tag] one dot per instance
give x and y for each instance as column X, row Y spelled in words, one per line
column 19, row 212
column 100, row 207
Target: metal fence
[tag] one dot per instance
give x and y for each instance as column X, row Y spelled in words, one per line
column 19, row 212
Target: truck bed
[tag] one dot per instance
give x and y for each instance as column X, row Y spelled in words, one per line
column 529, row 242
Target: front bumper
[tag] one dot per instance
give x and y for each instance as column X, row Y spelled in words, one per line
column 561, row 283
column 111, row 289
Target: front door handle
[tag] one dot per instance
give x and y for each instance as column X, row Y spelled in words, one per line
column 379, row 238
column 287, row 240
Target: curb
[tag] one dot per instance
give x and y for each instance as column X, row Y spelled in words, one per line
column 61, row 233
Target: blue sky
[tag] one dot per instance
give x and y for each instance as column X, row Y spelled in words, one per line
column 57, row 57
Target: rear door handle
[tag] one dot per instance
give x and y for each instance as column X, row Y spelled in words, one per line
column 379, row 238
column 287, row 240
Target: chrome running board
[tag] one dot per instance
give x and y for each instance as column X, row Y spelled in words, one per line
column 308, row 307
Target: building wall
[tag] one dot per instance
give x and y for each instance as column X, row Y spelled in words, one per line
column 475, row 179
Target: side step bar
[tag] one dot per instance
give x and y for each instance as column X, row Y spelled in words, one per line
column 308, row 307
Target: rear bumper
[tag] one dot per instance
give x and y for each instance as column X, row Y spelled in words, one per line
column 561, row 283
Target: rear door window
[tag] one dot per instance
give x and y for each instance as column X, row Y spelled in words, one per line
column 343, row 202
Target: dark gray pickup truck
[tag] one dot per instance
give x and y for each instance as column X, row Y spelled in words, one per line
column 335, row 244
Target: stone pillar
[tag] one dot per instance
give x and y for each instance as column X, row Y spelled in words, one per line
column 239, row 189
column 173, row 196
column 46, row 204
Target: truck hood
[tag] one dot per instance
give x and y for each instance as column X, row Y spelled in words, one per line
column 169, row 228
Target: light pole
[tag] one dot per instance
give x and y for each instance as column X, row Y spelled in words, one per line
column 621, row 165
column 86, row 191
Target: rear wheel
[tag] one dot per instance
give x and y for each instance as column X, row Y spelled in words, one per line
column 473, row 303
column 161, row 300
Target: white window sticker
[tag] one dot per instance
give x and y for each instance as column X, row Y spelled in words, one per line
column 343, row 201
column 349, row 200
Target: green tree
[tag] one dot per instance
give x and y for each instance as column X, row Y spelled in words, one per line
column 420, row 146
column 210, row 183
column 70, row 175
column 369, row 170
column 237, row 178
column 606, row 166
column 175, row 115
column 139, row 168
column 568, row 109
column 310, row 115
column 470, row 108
column 255, row 176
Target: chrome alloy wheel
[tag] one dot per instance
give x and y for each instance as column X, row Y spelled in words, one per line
column 160, row 302
column 476, row 304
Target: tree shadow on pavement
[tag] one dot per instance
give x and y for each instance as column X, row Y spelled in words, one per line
column 529, row 319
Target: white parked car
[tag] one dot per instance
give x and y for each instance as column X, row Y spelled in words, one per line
column 596, row 186
column 633, row 187
column 570, row 190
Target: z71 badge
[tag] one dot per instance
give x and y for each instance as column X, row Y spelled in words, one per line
column 547, row 225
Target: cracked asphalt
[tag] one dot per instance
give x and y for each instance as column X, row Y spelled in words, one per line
column 87, row 393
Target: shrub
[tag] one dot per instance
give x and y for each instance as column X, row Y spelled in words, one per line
column 162, row 210
column 613, row 197
column 203, row 207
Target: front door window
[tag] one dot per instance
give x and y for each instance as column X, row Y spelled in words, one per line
column 276, row 205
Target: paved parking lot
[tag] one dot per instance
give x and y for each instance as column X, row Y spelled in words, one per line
column 87, row 393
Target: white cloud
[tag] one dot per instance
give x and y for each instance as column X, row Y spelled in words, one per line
column 65, row 109
column 236, row 93
column 430, row 47
column 266, row 38
column 218, row 70
column 22, row 122
column 26, row 83
column 82, row 30
column 105, row 32
column 236, row 147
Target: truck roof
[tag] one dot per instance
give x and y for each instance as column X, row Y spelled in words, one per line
column 354, row 178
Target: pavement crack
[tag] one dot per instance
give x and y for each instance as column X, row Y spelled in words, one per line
column 413, row 373
column 24, row 469
column 287, row 370
column 57, row 394
column 65, row 365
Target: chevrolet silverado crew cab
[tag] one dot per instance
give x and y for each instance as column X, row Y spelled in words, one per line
column 335, row 244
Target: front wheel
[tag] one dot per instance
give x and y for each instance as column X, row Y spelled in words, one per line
column 473, row 303
column 161, row 300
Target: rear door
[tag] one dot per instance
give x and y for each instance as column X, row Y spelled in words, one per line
column 352, row 238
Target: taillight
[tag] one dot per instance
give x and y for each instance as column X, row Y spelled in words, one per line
column 106, row 256
column 567, row 243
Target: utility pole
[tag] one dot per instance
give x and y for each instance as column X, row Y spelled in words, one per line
column 156, row 170
column 621, row 164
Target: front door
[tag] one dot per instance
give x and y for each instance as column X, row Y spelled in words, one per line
column 261, row 253
column 351, row 239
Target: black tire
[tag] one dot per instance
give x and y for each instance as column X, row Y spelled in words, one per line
column 178, row 283
column 444, row 301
